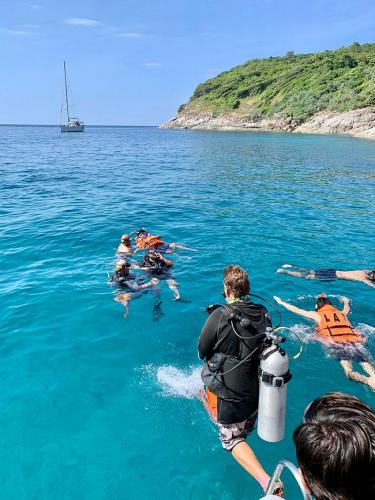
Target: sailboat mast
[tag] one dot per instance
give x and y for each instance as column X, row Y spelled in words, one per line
column 66, row 93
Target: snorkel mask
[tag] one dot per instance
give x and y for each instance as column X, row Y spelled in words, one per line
column 321, row 301
column 142, row 233
column 371, row 275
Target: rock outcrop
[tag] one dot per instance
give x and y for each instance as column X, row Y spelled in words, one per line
column 357, row 122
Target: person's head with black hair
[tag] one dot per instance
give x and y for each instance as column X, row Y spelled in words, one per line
column 371, row 275
column 335, row 447
column 322, row 301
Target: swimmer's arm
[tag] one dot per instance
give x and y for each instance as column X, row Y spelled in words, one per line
column 301, row 312
column 166, row 261
column 152, row 282
column 368, row 282
column 142, row 268
column 346, row 308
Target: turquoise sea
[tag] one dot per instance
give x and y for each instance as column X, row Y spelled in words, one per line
column 95, row 406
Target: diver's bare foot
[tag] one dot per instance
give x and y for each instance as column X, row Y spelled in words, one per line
column 177, row 297
column 281, row 270
column 286, row 266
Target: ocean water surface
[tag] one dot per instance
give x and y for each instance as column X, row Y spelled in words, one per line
column 95, row 406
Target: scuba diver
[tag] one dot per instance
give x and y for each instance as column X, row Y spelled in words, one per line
column 364, row 275
column 125, row 246
column 121, row 275
column 232, row 338
column 132, row 286
column 155, row 264
column 342, row 340
column 144, row 240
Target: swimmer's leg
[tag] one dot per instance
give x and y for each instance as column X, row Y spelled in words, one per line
column 157, row 311
column 299, row 272
column 124, row 299
column 368, row 368
column 173, row 286
column 149, row 284
column 353, row 375
column 181, row 247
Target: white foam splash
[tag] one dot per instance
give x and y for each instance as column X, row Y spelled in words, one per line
column 304, row 332
column 314, row 297
column 366, row 330
column 180, row 383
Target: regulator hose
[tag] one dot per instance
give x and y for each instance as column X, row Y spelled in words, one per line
column 274, row 307
column 296, row 356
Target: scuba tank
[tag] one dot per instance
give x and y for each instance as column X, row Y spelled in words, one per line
column 273, row 377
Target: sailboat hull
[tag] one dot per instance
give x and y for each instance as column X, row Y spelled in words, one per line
column 72, row 128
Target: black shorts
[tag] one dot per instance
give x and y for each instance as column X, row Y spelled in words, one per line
column 325, row 274
column 350, row 352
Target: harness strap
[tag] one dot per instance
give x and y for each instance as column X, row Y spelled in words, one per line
column 332, row 334
column 275, row 380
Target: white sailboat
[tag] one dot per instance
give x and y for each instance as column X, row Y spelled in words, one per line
column 72, row 124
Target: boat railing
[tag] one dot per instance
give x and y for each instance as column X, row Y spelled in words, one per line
column 276, row 476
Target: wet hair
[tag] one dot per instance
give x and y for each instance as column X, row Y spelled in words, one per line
column 322, row 301
column 237, row 280
column 125, row 237
column 335, row 448
column 371, row 275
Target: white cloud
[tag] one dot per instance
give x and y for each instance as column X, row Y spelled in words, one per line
column 152, row 65
column 14, row 32
column 81, row 21
column 131, row 35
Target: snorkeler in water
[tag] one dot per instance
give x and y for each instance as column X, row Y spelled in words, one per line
column 364, row 275
column 125, row 246
column 132, row 286
column 144, row 240
column 343, row 341
column 155, row 264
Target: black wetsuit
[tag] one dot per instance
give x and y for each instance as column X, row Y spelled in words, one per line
column 156, row 269
column 242, row 381
column 127, row 282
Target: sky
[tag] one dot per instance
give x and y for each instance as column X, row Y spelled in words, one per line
column 133, row 62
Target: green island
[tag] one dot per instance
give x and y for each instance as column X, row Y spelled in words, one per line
column 326, row 92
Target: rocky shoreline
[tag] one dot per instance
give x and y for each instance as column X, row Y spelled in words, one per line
column 358, row 122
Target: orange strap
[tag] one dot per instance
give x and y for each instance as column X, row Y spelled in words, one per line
column 211, row 403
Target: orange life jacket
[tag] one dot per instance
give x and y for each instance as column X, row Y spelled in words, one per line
column 149, row 241
column 334, row 326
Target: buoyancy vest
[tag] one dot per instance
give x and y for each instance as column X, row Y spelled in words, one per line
column 154, row 267
column 149, row 241
column 241, row 370
column 334, row 326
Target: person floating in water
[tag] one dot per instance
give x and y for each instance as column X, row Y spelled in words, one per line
column 364, row 275
column 144, row 240
column 343, row 341
column 155, row 264
column 125, row 246
column 132, row 286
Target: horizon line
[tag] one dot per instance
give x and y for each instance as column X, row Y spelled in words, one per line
column 58, row 125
